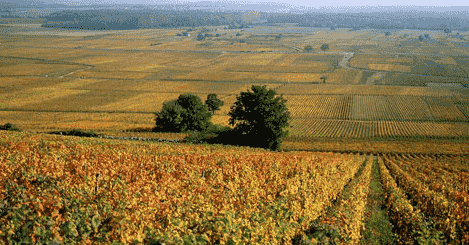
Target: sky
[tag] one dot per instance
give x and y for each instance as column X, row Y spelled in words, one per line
column 337, row 3
column 329, row 6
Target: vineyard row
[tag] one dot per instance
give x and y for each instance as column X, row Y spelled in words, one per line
column 366, row 129
column 369, row 107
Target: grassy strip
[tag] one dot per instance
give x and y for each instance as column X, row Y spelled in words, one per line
column 378, row 229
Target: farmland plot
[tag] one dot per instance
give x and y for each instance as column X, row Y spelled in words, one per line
column 370, row 107
column 464, row 108
column 361, row 89
column 31, row 69
column 389, row 67
column 34, row 97
column 110, row 75
column 321, row 106
column 279, row 64
column 425, row 66
column 321, row 128
column 381, row 62
column 408, row 108
column 75, row 100
column 11, row 84
column 50, row 121
column 443, row 108
column 40, row 53
column 188, row 87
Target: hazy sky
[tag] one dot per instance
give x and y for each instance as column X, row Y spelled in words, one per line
column 316, row 3
column 324, row 5
column 320, row 3
column 311, row 3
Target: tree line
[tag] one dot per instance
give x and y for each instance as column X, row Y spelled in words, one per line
column 157, row 18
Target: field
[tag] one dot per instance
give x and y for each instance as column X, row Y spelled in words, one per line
column 408, row 93
column 377, row 150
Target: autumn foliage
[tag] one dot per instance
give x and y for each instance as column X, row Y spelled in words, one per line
column 97, row 191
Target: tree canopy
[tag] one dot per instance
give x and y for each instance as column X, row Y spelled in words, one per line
column 213, row 103
column 187, row 113
column 260, row 117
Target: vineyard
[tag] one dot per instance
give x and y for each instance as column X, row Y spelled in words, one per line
column 427, row 195
column 132, row 73
column 362, row 129
column 100, row 191
column 376, row 107
column 69, row 189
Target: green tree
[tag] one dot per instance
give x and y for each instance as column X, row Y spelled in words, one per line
column 260, row 117
column 213, row 103
column 187, row 113
column 308, row 48
column 324, row 47
column 170, row 117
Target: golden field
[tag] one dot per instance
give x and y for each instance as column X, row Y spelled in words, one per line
column 122, row 74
